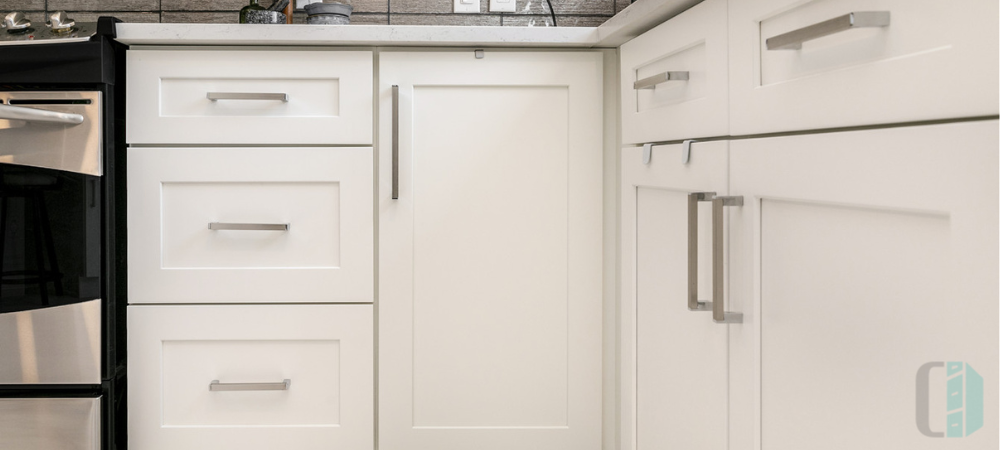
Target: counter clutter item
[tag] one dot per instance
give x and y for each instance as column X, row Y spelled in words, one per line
column 265, row 17
column 328, row 13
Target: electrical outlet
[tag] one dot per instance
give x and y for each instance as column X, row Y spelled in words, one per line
column 503, row 5
column 467, row 6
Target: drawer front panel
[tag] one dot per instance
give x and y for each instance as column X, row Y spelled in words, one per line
column 896, row 66
column 692, row 44
column 303, row 96
column 245, row 225
column 190, row 208
column 295, row 376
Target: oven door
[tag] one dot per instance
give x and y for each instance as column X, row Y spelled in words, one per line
column 50, row 423
column 51, row 251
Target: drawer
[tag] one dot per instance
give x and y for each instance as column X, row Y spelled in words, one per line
column 249, row 225
column 302, row 96
column 692, row 45
column 933, row 60
column 251, row 377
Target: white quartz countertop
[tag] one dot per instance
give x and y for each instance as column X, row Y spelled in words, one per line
column 629, row 23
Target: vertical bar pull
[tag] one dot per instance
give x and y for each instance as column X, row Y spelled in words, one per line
column 719, row 313
column 395, row 142
column 693, row 198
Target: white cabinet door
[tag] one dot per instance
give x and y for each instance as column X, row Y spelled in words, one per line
column 490, row 259
column 865, row 264
column 674, row 360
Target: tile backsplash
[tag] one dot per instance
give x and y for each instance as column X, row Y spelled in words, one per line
column 572, row 13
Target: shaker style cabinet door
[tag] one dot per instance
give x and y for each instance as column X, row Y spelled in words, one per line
column 866, row 263
column 490, row 250
column 674, row 356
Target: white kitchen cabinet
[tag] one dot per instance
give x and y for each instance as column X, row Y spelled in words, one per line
column 928, row 60
column 251, row 225
column 490, row 260
column 674, row 360
column 857, row 258
column 251, row 377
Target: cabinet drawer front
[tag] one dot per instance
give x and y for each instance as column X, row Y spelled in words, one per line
column 933, row 60
column 281, row 377
column 250, row 225
column 692, row 44
column 249, row 97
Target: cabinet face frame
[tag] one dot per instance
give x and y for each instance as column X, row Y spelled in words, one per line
column 940, row 171
column 578, row 75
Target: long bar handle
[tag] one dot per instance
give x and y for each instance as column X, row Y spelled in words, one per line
column 248, row 226
column 8, row 112
column 280, row 96
column 395, row 142
column 861, row 19
column 693, row 198
column 719, row 313
column 651, row 82
column 215, row 385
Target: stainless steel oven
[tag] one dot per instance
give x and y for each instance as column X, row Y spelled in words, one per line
column 62, row 368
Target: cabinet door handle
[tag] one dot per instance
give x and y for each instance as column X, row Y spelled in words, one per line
column 248, row 226
column 793, row 40
column 693, row 303
column 651, row 82
column 280, row 96
column 215, row 385
column 719, row 313
column 395, row 142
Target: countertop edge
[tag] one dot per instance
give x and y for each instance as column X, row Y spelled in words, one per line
column 354, row 35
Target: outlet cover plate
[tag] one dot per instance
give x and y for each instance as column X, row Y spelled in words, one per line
column 503, row 5
column 467, row 6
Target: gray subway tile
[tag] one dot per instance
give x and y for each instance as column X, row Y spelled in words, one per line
column 445, row 19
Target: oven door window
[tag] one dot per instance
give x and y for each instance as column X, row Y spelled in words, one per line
column 50, row 238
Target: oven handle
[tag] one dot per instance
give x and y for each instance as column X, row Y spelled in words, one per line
column 38, row 115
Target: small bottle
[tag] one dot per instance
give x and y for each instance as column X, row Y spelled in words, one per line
column 253, row 6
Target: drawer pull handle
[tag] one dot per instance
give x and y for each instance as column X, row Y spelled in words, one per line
column 719, row 313
column 862, row 19
column 215, row 385
column 38, row 115
column 693, row 303
column 248, row 226
column 213, row 96
column 395, row 142
column 651, row 82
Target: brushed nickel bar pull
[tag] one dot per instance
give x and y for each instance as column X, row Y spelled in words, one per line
column 861, row 19
column 215, row 385
column 651, row 82
column 248, row 226
column 280, row 96
column 693, row 198
column 719, row 313
column 395, row 142
column 8, row 112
